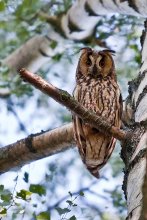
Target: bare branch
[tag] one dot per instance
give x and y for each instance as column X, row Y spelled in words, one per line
column 36, row 146
column 67, row 100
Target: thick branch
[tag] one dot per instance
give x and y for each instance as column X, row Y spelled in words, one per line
column 33, row 54
column 36, row 147
column 67, row 100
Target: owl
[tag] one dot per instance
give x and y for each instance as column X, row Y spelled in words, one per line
column 97, row 90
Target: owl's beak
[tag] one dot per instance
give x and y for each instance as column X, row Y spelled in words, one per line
column 95, row 71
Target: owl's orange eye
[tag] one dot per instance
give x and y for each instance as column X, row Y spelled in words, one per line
column 102, row 62
column 88, row 62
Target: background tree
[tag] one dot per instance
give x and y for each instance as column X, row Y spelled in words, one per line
column 45, row 37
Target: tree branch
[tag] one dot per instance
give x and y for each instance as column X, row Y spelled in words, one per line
column 36, row 146
column 67, row 100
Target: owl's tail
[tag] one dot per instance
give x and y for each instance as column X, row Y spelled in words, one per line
column 94, row 171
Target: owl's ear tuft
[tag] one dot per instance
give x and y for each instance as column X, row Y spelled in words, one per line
column 109, row 51
column 85, row 49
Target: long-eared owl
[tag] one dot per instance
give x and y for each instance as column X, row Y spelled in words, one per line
column 97, row 90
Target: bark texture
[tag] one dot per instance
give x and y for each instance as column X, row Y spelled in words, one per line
column 33, row 54
column 134, row 152
column 36, row 146
column 144, row 200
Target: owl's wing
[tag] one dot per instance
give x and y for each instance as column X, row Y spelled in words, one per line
column 80, row 136
column 88, row 140
column 78, row 127
column 94, row 147
column 117, row 122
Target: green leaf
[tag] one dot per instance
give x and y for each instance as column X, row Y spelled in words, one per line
column 62, row 211
column 2, row 6
column 39, row 189
column 81, row 193
column 24, row 194
column 43, row 216
column 69, row 202
column 6, row 196
column 26, row 3
column 3, row 211
column 73, row 217
column 26, row 177
column 53, row 44
column 70, row 194
column 57, row 57
column 1, row 188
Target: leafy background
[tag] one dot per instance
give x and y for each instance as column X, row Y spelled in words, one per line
column 59, row 187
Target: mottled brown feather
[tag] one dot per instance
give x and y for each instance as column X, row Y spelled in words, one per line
column 97, row 90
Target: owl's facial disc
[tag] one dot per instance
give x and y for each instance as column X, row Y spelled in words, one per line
column 104, row 63
column 92, row 66
column 96, row 64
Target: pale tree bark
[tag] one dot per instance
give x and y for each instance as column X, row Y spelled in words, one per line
column 134, row 153
column 35, row 147
column 78, row 24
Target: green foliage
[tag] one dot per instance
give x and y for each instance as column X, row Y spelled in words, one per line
column 81, row 193
column 117, row 199
column 63, row 212
column 3, row 212
column 5, row 196
column 73, row 217
column 39, row 189
column 2, row 6
column 57, row 57
column 9, row 200
column 6, row 199
column 13, row 83
column 43, row 216
column 24, row 194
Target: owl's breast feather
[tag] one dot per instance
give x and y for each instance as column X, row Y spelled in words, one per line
column 100, row 96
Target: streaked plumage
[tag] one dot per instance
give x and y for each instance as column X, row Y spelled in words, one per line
column 97, row 90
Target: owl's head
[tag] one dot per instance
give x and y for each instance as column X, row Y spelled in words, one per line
column 96, row 64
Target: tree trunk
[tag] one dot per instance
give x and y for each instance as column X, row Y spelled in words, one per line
column 134, row 153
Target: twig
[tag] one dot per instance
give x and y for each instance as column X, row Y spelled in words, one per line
column 67, row 100
column 84, row 189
